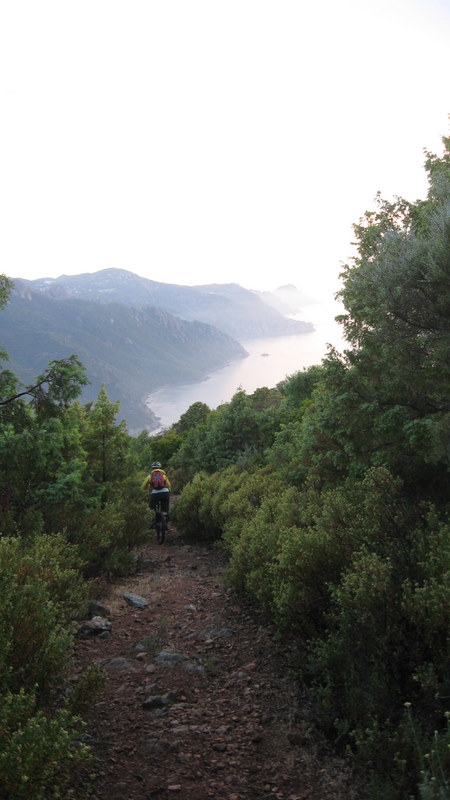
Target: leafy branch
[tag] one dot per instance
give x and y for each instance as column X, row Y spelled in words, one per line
column 64, row 379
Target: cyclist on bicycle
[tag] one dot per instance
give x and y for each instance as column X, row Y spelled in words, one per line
column 159, row 485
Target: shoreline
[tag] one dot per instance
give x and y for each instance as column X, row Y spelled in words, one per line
column 284, row 356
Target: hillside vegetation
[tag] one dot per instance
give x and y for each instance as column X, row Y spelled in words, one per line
column 329, row 494
column 133, row 335
column 131, row 351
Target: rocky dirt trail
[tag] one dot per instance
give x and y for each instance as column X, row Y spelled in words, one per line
column 199, row 702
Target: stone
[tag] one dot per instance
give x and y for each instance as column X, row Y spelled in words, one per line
column 118, row 663
column 97, row 609
column 169, row 658
column 153, row 745
column 199, row 668
column 94, row 627
column 135, row 600
column 156, row 701
column 213, row 633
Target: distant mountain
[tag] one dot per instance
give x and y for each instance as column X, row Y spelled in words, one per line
column 132, row 350
column 238, row 312
column 255, row 316
column 286, row 299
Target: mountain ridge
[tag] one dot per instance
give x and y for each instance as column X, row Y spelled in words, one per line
column 128, row 344
column 131, row 351
column 236, row 311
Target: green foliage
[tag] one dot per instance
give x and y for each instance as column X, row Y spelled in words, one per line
column 41, row 458
column 204, row 505
column 254, row 552
column 41, row 588
column 5, row 289
column 60, row 472
column 110, row 531
column 239, row 498
column 157, row 639
column 132, row 351
column 53, row 390
column 106, row 443
column 64, row 468
column 86, row 688
column 432, row 757
column 326, row 566
column 397, row 301
column 196, row 414
column 296, row 546
column 190, row 512
column 298, row 388
column 237, row 433
column 38, row 752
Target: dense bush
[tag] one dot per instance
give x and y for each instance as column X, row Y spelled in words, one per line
column 112, row 530
column 365, row 594
column 197, row 511
column 38, row 750
column 41, row 589
column 70, row 507
column 235, row 434
column 351, row 555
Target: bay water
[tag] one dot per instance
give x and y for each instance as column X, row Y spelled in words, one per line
column 269, row 361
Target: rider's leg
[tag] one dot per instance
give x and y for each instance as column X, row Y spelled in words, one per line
column 165, row 504
column 153, row 500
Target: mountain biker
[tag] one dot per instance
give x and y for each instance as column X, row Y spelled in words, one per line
column 159, row 485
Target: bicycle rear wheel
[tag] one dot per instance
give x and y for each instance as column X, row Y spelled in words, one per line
column 160, row 525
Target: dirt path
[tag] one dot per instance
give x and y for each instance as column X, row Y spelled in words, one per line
column 199, row 702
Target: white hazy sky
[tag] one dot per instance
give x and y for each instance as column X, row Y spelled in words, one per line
column 193, row 141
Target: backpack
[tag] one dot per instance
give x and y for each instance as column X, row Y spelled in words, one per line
column 157, row 479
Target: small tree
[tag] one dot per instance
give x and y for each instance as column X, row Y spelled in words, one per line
column 105, row 441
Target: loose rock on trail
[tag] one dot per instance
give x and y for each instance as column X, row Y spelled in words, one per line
column 199, row 702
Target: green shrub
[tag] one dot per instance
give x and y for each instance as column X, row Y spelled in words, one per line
column 86, row 688
column 385, row 643
column 432, row 757
column 218, row 504
column 38, row 751
column 41, row 590
column 225, row 485
column 111, row 530
column 254, row 555
column 354, row 657
column 239, row 505
column 197, row 511
column 134, row 511
column 361, row 579
column 289, row 552
column 186, row 512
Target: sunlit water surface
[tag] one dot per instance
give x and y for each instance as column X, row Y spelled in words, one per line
column 269, row 361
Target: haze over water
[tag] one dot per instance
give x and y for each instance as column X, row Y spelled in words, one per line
column 285, row 355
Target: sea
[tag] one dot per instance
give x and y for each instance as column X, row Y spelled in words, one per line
column 269, row 361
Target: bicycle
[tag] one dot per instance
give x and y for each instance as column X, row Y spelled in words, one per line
column 160, row 523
